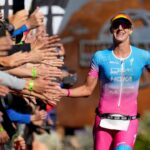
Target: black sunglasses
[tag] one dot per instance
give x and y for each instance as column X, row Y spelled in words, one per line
column 124, row 23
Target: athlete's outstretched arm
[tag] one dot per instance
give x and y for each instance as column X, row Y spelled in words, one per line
column 83, row 90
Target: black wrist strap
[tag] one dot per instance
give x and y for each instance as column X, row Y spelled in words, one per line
column 16, row 48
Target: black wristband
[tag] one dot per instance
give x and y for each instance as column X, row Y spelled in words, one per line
column 16, row 48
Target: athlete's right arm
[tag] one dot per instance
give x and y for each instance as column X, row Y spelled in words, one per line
column 87, row 88
column 83, row 90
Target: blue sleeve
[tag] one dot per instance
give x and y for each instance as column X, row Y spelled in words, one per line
column 94, row 68
column 18, row 117
column 94, row 61
column 20, row 30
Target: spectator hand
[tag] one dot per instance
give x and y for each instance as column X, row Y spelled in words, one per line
column 1, row 16
column 35, row 20
column 4, row 90
column 48, row 71
column 3, row 136
column 19, row 143
column 19, row 18
column 54, row 62
column 38, row 117
column 37, row 56
column 6, row 43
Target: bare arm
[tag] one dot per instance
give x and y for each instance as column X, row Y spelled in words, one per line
column 49, row 99
column 5, row 43
column 35, row 19
column 84, row 90
column 41, row 89
column 14, row 60
column 36, row 56
column 19, row 18
column 41, row 70
column 20, row 71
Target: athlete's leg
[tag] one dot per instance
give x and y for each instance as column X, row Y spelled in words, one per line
column 124, row 140
column 102, row 137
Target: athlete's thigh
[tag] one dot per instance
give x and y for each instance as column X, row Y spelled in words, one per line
column 102, row 137
column 124, row 140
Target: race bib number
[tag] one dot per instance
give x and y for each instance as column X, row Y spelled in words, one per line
column 114, row 124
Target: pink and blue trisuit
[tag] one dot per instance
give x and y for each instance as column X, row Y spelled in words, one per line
column 119, row 84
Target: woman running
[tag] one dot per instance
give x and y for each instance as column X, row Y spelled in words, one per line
column 118, row 69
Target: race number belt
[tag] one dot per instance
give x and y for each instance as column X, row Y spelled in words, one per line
column 112, row 117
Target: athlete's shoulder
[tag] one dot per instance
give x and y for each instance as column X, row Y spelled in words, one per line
column 141, row 54
column 138, row 50
column 103, row 52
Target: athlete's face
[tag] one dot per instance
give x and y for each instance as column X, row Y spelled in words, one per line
column 121, row 30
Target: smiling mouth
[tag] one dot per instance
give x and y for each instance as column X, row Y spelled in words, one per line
column 120, row 34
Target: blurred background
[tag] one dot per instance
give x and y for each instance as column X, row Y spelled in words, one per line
column 83, row 26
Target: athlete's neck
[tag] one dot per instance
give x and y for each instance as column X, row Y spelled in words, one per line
column 122, row 50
